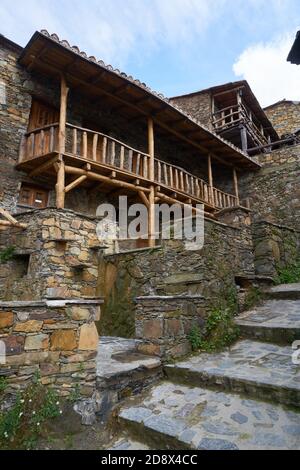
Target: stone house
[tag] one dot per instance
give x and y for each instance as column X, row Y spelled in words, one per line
column 76, row 133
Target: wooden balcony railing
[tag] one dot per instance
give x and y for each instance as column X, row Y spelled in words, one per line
column 232, row 115
column 110, row 153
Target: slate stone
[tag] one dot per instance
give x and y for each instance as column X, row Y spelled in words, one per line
column 239, row 418
column 219, row 428
column 216, row 444
column 165, row 425
column 138, row 414
column 292, row 429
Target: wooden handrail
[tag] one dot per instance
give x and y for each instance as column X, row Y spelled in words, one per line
column 83, row 129
column 43, row 128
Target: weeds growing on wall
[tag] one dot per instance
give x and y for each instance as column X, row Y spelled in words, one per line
column 7, row 254
column 253, row 297
column 288, row 274
column 22, row 424
column 220, row 329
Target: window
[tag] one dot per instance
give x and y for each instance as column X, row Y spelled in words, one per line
column 33, row 197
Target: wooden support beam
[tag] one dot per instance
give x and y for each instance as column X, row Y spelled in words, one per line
column 210, row 181
column 144, row 198
column 244, row 138
column 60, row 186
column 75, row 183
column 151, row 206
column 44, row 166
column 112, row 182
column 236, row 186
column 64, row 90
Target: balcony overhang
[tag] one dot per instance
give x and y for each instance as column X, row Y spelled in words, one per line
column 128, row 97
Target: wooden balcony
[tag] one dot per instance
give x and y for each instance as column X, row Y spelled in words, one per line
column 230, row 117
column 91, row 155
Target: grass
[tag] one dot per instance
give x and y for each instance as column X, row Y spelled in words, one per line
column 23, row 423
column 289, row 274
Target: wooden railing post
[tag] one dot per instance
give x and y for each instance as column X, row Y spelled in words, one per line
column 236, row 186
column 151, row 209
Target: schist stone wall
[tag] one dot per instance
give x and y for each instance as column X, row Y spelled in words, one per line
column 49, row 306
column 154, row 277
column 197, row 105
column 55, row 257
column 56, row 339
column 285, row 116
column 275, row 246
column 274, row 191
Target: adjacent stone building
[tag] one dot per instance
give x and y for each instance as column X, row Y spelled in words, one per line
column 285, row 116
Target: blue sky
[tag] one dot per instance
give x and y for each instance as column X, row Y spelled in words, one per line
column 175, row 46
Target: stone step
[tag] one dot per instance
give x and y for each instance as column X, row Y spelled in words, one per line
column 284, row 291
column 122, row 371
column 171, row 416
column 256, row 369
column 276, row 321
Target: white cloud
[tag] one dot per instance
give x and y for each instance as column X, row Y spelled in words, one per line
column 111, row 30
column 270, row 76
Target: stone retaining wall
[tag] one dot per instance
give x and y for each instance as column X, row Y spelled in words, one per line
column 56, row 339
column 275, row 246
column 56, row 256
column 164, row 322
column 171, row 270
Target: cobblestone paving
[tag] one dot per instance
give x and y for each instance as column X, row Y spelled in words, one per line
column 118, row 355
column 202, row 419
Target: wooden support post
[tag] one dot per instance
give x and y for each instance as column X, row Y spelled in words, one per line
column 244, row 139
column 60, row 186
column 210, row 181
column 151, row 208
column 64, row 90
column 236, row 186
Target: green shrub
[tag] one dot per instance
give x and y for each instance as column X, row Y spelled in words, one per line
column 7, row 254
column 195, row 337
column 288, row 274
column 221, row 330
column 3, row 384
column 21, row 425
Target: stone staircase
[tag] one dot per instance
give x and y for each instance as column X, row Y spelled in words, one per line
column 247, row 397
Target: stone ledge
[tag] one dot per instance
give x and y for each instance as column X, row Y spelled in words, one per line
column 169, row 297
column 49, row 303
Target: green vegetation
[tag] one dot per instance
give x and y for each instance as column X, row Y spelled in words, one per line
column 23, row 423
column 289, row 274
column 7, row 254
column 220, row 329
column 195, row 337
column 3, row 385
column 253, row 297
